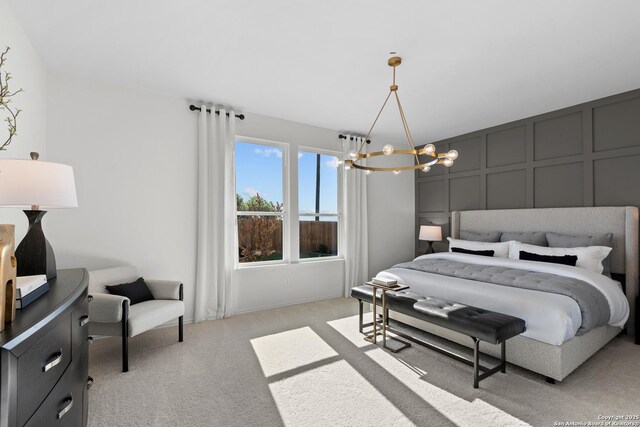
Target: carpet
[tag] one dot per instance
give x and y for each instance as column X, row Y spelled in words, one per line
column 306, row 365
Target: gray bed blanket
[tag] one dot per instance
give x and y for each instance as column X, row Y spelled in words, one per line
column 593, row 304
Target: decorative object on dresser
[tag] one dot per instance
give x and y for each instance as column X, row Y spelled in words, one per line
column 430, row 234
column 36, row 185
column 7, row 275
column 30, row 288
column 429, row 150
column 44, row 357
column 116, row 315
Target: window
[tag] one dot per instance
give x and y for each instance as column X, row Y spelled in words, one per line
column 318, row 203
column 260, row 203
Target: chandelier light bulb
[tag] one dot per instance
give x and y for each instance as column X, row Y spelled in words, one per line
column 368, row 172
column 340, row 162
column 429, row 149
column 426, row 168
column 353, row 154
column 388, row 150
column 452, row 154
column 397, row 172
column 448, row 162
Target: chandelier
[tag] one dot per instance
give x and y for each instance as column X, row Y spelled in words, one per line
column 429, row 150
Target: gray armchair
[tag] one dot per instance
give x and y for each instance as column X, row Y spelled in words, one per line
column 113, row 316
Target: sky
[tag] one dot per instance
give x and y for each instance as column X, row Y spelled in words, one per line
column 259, row 170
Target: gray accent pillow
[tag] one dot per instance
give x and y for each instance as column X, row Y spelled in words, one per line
column 490, row 237
column 537, row 238
column 568, row 241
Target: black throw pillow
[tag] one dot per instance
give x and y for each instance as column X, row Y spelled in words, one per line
column 137, row 291
column 560, row 259
column 470, row 252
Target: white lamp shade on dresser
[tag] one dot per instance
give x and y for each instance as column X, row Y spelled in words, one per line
column 432, row 233
column 27, row 183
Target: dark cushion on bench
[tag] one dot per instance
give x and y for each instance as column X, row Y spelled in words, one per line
column 476, row 322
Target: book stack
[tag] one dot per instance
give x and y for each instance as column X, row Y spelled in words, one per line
column 30, row 288
column 389, row 283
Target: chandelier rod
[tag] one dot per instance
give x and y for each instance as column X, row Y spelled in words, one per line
column 405, row 125
column 375, row 121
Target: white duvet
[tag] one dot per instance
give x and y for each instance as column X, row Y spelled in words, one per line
column 550, row 318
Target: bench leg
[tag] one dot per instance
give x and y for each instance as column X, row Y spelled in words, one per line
column 476, row 361
column 503, row 357
column 360, row 327
column 125, row 336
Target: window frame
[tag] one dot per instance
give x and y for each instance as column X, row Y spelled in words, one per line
column 339, row 206
column 286, row 241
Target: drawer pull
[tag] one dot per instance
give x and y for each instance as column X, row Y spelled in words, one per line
column 68, row 404
column 90, row 339
column 89, row 298
column 53, row 361
column 84, row 320
column 89, row 382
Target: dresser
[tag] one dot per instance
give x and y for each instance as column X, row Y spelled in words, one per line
column 44, row 357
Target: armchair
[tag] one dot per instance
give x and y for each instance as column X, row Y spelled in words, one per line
column 112, row 315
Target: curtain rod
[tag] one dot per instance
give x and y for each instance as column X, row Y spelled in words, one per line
column 194, row 108
column 351, row 138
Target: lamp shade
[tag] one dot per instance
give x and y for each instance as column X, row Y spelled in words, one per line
column 432, row 233
column 27, row 183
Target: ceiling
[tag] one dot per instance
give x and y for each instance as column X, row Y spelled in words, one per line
column 467, row 64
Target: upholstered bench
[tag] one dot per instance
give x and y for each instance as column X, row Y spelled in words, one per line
column 477, row 323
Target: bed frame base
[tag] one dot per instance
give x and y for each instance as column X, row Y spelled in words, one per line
column 552, row 361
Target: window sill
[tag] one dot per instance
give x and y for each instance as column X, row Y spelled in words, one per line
column 320, row 259
column 263, row 264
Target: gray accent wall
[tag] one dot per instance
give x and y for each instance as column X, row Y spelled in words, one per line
column 585, row 155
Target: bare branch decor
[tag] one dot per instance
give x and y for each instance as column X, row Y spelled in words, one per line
column 5, row 100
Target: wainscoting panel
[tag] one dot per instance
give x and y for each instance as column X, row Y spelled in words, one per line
column 558, row 136
column 507, row 147
column 558, row 186
column 464, row 193
column 585, row 155
column 616, row 125
column 616, row 181
column 507, row 190
column 432, row 196
column 470, row 162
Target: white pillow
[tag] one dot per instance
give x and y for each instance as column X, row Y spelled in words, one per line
column 589, row 258
column 500, row 249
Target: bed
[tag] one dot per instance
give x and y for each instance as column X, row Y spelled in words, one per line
column 552, row 345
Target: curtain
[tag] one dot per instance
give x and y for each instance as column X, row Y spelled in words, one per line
column 216, row 214
column 355, row 220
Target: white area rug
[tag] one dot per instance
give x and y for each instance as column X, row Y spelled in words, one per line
column 307, row 365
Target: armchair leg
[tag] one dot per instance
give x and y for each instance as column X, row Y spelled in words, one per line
column 125, row 336
column 180, row 319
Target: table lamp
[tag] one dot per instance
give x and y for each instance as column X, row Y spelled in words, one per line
column 35, row 186
column 430, row 233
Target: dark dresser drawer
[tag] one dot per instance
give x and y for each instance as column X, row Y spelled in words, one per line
column 63, row 406
column 40, row 368
column 44, row 357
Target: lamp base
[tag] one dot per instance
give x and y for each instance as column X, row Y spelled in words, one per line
column 34, row 254
column 429, row 247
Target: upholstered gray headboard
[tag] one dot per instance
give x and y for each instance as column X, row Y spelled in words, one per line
column 621, row 221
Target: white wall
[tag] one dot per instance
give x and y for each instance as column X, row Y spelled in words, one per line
column 28, row 73
column 134, row 157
